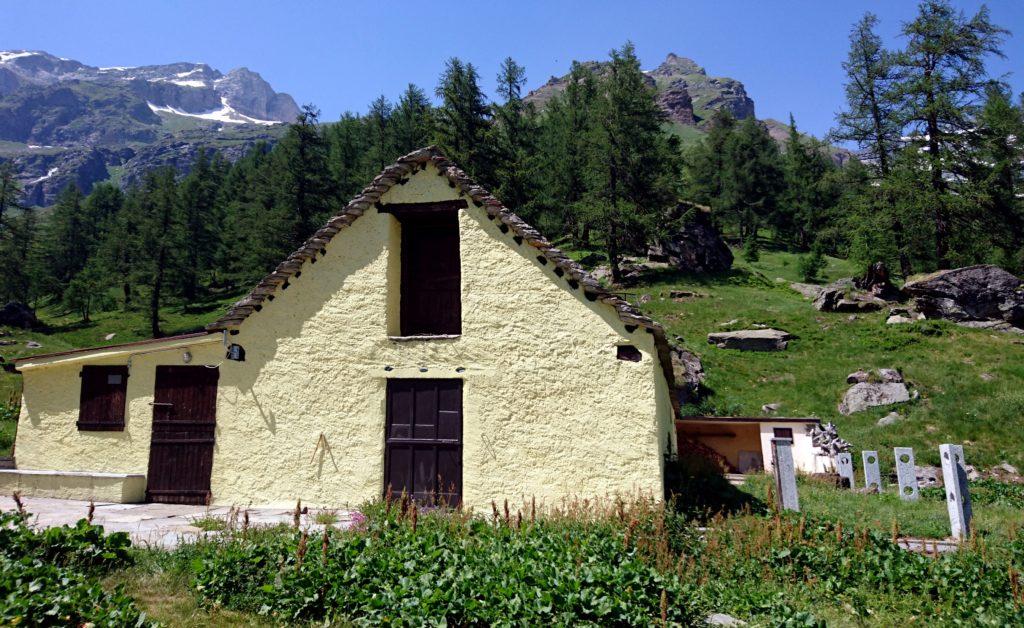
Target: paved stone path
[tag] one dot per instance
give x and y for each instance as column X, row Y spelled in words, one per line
column 155, row 525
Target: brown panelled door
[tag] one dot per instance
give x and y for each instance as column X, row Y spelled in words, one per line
column 423, row 440
column 184, row 419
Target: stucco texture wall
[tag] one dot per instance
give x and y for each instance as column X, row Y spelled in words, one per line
column 806, row 456
column 549, row 412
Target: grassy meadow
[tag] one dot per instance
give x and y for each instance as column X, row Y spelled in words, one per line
column 970, row 381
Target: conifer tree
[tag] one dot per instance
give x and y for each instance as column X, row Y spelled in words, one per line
column 161, row 235
column 348, row 146
column 413, row 120
column 303, row 192
column 997, row 177
column 463, row 122
column 751, row 178
column 515, row 138
column 201, row 222
column 806, row 195
column 871, row 119
column 633, row 167
column 564, row 146
column 17, row 232
column 942, row 77
column 119, row 250
column 380, row 124
column 66, row 243
column 706, row 169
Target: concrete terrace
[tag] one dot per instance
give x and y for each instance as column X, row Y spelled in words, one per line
column 155, row 525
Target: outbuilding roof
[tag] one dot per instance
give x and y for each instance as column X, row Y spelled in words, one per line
column 575, row 276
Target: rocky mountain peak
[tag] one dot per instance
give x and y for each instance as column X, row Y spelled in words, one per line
column 675, row 65
column 63, row 121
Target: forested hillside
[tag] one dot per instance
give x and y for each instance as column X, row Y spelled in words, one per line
column 939, row 182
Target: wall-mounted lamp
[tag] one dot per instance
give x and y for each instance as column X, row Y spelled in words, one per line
column 236, row 353
column 186, row 357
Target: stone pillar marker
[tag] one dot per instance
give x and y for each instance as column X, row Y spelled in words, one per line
column 905, row 474
column 958, row 499
column 872, row 477
column 785, row 474
column 844, row 466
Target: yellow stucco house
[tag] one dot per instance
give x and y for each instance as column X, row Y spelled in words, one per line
column 426, row 340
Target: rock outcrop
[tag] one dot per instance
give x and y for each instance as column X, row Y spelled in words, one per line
column 973, row 293
column 688, row 374
column 866, row 395
column 16, row 314
column 843, row 296
column 751, row 339
column 882, row 387
column 696, row 247
column 876, row 282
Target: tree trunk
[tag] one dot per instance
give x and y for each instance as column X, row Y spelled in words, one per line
column 154, row 301
column 938, row 185
column 613, row 255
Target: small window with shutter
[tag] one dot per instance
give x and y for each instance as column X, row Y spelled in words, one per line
column 101, row 406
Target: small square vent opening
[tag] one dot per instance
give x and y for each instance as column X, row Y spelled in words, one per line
column 628, row 352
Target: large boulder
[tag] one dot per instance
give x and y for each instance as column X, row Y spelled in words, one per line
column 16, row 314
column 696, row 247
column 973, row 293
column 751, row 339
column 864, row 395
column 842, row 296
column 877, row 283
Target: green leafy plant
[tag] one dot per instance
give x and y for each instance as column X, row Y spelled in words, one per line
column 810, row 266
column 49, row 577
column 751, row 249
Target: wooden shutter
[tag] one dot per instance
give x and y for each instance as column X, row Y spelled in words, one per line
column 102, row 400
column 431, row 299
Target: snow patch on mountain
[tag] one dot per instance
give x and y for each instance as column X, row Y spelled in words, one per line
column 49, row 174
column 10, row 55
column 225, row 114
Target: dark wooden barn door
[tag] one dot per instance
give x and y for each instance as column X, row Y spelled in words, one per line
column 184, row 419
column 423, row 450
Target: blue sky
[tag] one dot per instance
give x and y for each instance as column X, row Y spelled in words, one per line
column 340, row 55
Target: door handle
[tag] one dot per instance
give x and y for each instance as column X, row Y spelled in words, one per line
column 159, row 403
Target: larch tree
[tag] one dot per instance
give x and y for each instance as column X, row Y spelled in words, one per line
column 463, row 122
column 870, row 119
column 807, row 195
column 161, row 235
column 942, row 78
column 997, row 180
column 515, row 137
column 633, row 166
column 413, row 120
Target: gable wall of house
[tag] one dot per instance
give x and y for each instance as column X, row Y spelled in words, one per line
column 549, row 411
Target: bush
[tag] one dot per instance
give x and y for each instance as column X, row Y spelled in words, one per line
column 450, row 567
column 751, row 249
column 49, row 577
column 37, row 593
column 810, row 266
column 83, row 546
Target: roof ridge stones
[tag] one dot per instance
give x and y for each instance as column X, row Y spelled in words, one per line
column 396, row 173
